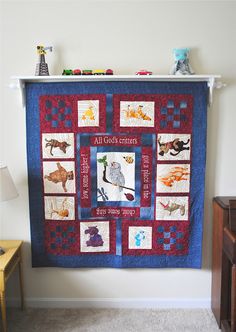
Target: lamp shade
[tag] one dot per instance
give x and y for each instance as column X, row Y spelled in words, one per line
column 7, row 188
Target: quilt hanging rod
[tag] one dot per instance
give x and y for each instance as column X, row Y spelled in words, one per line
column 18, row 82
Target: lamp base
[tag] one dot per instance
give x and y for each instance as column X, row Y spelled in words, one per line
column 1, row 251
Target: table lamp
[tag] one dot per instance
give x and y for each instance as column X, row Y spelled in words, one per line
column 7, row 188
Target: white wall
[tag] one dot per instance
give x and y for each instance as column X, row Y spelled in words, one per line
column 125, row 36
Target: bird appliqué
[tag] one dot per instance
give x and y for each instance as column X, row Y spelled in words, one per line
column 116, row 176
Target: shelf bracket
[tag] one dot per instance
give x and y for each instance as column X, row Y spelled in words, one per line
column 213, row 84
column 19, row 84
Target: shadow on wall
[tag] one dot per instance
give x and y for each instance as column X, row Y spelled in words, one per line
column 213, row 153
column 58, row 63
column 212, row 140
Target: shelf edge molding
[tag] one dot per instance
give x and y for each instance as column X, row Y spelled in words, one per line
column 213, row 81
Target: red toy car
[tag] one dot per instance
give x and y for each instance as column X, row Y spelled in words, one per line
column 143, row 72
column 77, row 72
column 109, row 72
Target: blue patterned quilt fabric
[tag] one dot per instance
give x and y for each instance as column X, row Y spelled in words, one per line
column 116, row 173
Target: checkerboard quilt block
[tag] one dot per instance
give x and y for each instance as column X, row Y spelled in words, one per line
column 116, row 173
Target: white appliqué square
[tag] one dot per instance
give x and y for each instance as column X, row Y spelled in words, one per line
column 140, row 237
column 115, row 176
column 59, row 207
column 137, row 113
column 60, row 145
column 59, row 177
column 173, row 178
column 173, row 147
column 88, row 113
column 95, row 236
column 172, row 207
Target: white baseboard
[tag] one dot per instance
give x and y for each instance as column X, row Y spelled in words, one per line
column 110, row 303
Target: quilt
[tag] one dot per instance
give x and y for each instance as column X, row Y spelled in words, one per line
column 116, row 173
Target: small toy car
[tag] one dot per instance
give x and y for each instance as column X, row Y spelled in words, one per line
column 76, row 72
column 99, row 72
column 87, row 72
column 67, row 72
column 109, row 72
column 143, row 72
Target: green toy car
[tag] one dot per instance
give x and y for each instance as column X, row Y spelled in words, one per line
column 87, row 72
column 67, row 72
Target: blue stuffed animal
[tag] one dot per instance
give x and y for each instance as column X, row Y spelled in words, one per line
column 181, row 65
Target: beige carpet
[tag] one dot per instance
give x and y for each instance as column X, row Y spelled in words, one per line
column 111, row 320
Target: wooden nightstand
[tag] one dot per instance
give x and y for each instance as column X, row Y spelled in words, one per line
column 221, row 269
column 8, row 263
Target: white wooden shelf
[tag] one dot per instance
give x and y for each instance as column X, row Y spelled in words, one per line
column 212, row 80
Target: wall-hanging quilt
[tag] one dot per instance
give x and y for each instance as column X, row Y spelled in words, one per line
column 116, row 173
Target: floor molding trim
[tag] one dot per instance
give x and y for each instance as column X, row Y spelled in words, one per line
column 116, row 303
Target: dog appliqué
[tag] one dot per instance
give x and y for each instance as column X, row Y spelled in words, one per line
column 53, row 143
column 176, row 145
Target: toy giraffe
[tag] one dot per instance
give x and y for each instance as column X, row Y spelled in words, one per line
column 41, row 66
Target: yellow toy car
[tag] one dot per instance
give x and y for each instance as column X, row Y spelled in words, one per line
column 99, row 72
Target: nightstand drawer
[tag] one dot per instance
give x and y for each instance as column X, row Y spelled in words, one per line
column 229, row 244
column 10, row 267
